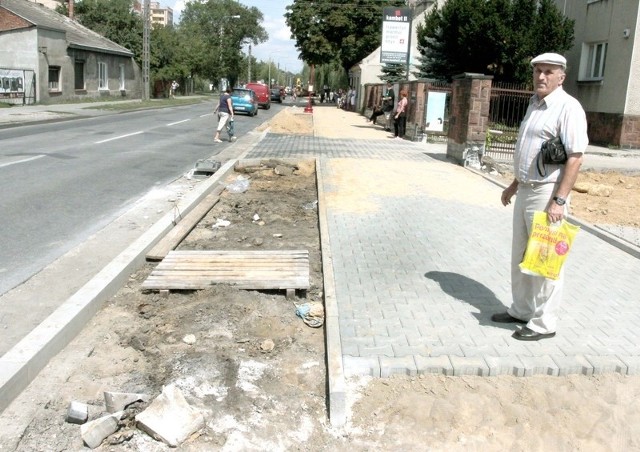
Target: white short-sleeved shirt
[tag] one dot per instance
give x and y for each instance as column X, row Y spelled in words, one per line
column 557, row 113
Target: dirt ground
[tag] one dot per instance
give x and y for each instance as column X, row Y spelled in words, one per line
column 603, row 198
column 256, row 371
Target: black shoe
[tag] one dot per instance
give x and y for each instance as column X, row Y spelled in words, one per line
column 504, row 317
column 526, row 334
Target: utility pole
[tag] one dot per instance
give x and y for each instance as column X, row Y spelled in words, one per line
column 145, row 50
column 249, row 66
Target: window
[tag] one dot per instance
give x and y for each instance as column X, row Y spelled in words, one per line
column 78, row 69
column 103, row 81
column 593, row 60
column 122, row 77
column 54, row 78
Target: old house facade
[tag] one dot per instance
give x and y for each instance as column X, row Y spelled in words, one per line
column 46, row 57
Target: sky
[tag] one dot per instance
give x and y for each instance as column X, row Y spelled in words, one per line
column 280, row 48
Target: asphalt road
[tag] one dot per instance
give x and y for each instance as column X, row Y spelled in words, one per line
column 61, row 182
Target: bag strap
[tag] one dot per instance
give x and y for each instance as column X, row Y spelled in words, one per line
column 540, row 165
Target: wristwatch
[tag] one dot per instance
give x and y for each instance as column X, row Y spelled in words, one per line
column 559, row 200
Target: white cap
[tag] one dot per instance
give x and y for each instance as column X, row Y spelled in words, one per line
column 550, row 58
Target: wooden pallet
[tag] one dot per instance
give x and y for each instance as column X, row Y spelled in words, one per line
column 191, row 270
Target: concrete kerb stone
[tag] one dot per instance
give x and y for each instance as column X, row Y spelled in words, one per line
column 335, row 370
column 20, row 365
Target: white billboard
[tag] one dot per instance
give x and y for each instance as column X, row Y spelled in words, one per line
column 396, row 35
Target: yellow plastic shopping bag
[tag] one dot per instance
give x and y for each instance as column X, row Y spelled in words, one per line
column 548, row 246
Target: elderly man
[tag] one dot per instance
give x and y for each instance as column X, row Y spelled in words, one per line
column 551, row 113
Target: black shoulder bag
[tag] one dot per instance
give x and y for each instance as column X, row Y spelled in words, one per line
column 552, row 152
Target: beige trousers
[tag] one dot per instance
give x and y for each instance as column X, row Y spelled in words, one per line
column 535, row 298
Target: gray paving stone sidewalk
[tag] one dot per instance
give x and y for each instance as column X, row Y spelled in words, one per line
column 420, row 271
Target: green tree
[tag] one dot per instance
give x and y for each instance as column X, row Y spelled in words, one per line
column 394, row 72
column 113, row 19
column 212, row 35
column 342, row 30
column 494, row 37
column 166, row 61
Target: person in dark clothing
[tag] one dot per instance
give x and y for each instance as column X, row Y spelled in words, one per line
column 225, row 114
column 388, row 101
column 377, row 111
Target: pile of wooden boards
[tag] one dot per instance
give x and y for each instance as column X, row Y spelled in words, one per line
column 189, row 270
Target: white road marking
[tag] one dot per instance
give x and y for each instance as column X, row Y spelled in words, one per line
column 178, row 122
column 22, row 161
column 121, row 136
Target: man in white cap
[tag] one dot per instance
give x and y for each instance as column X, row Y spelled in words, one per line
column 551, row 113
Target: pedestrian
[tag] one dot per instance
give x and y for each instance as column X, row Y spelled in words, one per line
column 225, row 115
column 174, row 88
column 400, row 117
column 377, row 111
column 388, row 101
column 551, row 113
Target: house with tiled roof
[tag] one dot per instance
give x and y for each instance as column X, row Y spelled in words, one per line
column 47, row 57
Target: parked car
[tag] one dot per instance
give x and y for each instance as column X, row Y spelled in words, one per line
column 244, row 101
column 276, row 95
column 262, row 91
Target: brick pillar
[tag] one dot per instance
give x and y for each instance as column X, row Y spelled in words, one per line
column 469, row 116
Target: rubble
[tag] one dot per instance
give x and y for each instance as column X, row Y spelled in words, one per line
column 78, row 413
column 118, row 401
column 94, row 432
column 170, row 418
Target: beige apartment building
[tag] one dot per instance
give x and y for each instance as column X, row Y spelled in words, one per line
column 603, row 68
column 161, row 16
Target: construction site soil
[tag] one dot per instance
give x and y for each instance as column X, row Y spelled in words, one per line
column 256, row 371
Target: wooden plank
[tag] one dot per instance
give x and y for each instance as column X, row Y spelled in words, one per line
column 264, row 269
column 198, row 285
column 253, row 254
column 182, row 229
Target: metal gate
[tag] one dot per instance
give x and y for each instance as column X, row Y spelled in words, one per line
column 507, row 107
column 17, row 86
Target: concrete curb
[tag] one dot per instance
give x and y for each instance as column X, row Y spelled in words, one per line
column 335, row 369
column 20, row 365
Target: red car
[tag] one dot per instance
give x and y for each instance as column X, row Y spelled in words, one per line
column 263, row 94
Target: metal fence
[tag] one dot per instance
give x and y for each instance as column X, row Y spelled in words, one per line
column 428, row 108
column 507, row 107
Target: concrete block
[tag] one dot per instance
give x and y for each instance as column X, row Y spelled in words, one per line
column 361, row 365
column 118, row 401
column 607, row 364
column 404, row 366
column 170, row 418
column 573, row 365
column 632, row 363
column 500, row 365
column 469, row 366
column 539, row 365
column 434, row 365
column 94, row 432
column 77, row 413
